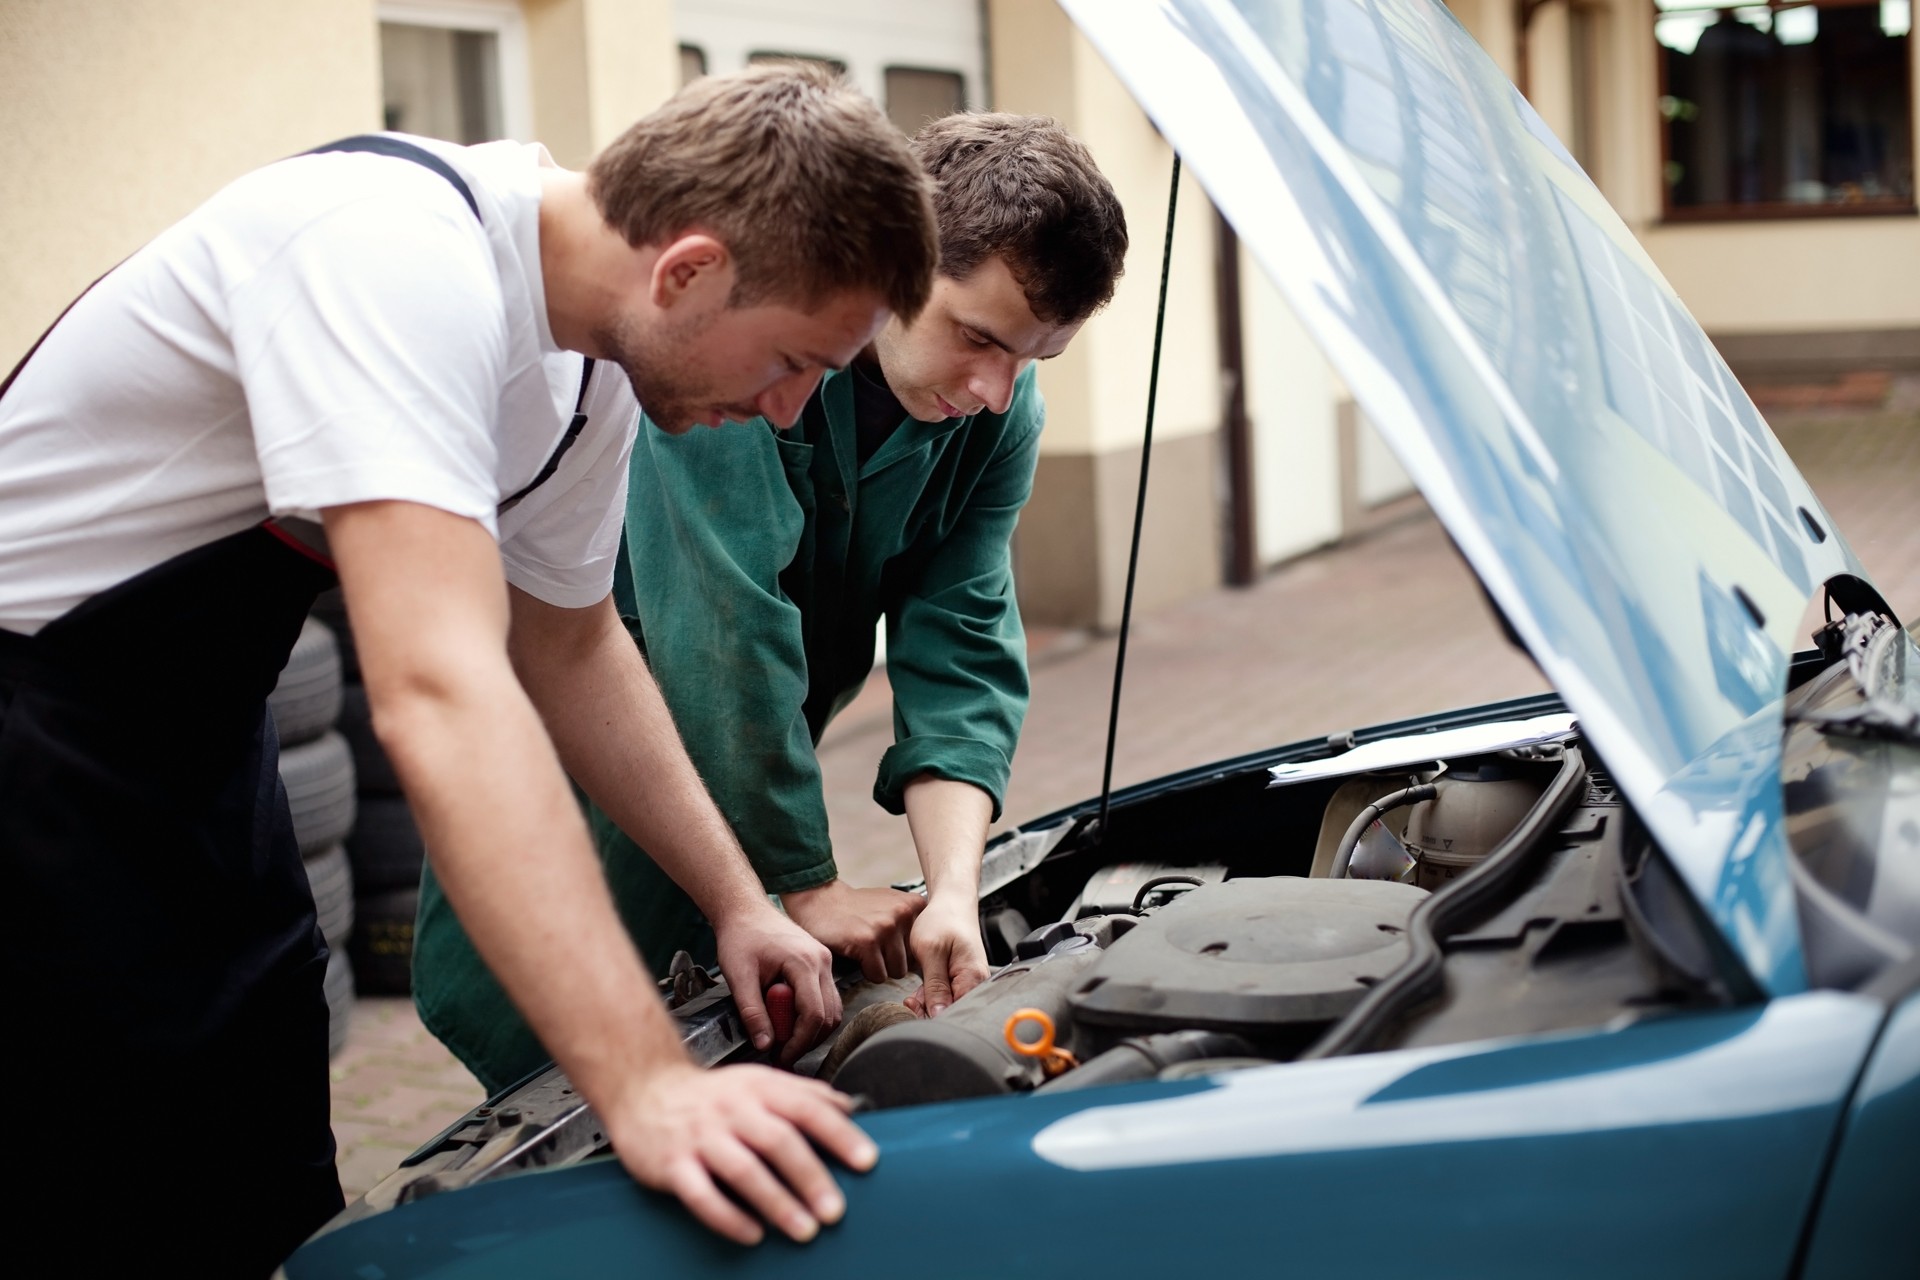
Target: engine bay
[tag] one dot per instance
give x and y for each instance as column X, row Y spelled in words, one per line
column 1501, row 894
column 1253, row 967
column 1221, row 922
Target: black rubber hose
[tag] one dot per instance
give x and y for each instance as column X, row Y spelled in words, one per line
column 1422, row 976
column 1343, row 854
column 1144, row 1057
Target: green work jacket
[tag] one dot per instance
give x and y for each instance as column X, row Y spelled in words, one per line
column 755, row 568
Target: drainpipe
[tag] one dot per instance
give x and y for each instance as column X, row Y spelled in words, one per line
column 1523, row 12
column 1243, row 560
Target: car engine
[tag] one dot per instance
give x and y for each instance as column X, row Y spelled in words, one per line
column 1249, row 969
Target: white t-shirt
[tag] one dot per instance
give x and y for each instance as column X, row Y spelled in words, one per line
column 329, row 329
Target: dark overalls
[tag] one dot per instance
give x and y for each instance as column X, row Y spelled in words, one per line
column 168, row 1048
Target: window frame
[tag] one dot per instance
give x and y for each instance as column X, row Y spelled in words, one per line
column 888, row 68
column 1771, row 210
column 687, row 47
column 762, row 57
column 500, row 18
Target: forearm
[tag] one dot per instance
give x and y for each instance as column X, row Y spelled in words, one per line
column 507, row 841
column 615, row 735
column 430, row 615
column 488, row 792
column 949, row 822
column 616, row 738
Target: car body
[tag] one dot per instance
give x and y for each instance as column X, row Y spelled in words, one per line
column 1648, row 1003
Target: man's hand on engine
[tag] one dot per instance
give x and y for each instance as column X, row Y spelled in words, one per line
column 760, row 947
column 949, row 954
column 867, row 925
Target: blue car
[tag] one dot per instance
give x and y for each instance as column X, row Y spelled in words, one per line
column 1615, row 981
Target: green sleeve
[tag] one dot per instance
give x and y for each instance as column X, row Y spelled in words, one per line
column 956, row 653
column 712, row 519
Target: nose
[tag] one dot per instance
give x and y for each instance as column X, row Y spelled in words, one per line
column 782, row 402
column 992, row 382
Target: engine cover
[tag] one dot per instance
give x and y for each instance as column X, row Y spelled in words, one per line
column 1255, row 956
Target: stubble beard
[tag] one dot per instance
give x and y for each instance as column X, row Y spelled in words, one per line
column 666, row 395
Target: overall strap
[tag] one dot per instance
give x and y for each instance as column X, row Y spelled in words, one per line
column 381, row 145
column 574, row 429
column 376, row 144
column 399, row 149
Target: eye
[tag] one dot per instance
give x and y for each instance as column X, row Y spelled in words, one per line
column 793, row 366
column 974, row 339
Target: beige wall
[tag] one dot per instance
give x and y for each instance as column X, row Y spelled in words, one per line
column 1096, row 391
column 117, row 118
column 597, row 66
column 1071, row 552
column 1292, row 407
column 1117, row 345
column 1491, row 22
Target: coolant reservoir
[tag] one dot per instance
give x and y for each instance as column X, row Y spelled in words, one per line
column 1474, row 811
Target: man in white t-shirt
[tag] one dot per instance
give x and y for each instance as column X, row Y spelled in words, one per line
column 370, row 359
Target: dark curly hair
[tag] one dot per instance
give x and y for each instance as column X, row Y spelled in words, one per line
column 1024, row 188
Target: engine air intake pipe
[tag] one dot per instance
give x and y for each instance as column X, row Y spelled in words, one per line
column 1145, row 1057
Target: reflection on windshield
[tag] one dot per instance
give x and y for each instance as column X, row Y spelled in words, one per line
column 1585, row 336
column 1585, row 445
column 1694, row 412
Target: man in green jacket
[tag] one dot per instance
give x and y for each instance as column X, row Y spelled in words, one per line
column 757, row 564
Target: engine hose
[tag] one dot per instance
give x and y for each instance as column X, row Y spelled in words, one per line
column 861, row 1028
column 1144, row 1057
column 1370, row 815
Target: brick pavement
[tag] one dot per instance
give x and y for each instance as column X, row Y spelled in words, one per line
column 1388, row 626
column 394, row 1087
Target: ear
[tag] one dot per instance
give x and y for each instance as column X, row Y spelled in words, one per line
column 691, row 268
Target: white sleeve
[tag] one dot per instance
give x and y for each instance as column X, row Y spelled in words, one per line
column 565, row 550
column 371, row 348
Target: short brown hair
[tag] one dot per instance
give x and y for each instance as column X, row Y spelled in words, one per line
column 1024, row 188
column 798, row 173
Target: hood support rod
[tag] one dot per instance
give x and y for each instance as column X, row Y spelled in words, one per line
column 1099, row 832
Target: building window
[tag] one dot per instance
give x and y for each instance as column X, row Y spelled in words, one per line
column 916, row 95
column 1785, row 109
column 835, row 65
column 693, row 63
column 454, row 70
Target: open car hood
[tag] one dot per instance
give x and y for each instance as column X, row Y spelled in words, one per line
column 1606, row 477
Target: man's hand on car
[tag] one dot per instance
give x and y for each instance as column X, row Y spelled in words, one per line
column 757, row 947
column 685, row 1131
column 948, row 952
column 867, row 925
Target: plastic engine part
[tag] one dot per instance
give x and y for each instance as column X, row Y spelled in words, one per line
column 963, row 1053
column 1259, row 957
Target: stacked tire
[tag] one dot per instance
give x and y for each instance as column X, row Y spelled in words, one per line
column 316, row 768
column 384, row 848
